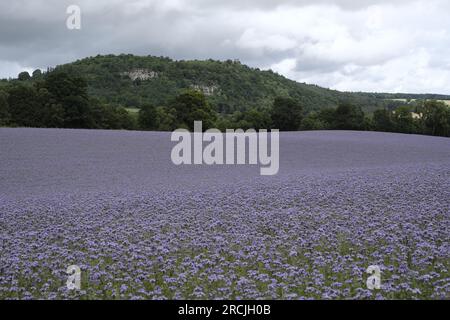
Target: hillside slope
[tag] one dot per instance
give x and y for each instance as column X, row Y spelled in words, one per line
column 132, row 81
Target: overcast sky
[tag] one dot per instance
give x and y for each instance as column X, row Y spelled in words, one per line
column 352, row 45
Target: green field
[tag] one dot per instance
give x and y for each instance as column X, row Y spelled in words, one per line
column 134, row 113
column 447, row 102
column 132, row 110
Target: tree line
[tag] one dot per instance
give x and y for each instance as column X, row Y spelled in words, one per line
column 57, row 100
column 428, row 117
column 60, row 99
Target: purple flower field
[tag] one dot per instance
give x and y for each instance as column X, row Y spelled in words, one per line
column 139, row 227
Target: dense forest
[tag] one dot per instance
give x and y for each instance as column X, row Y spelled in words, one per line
column 150, row 93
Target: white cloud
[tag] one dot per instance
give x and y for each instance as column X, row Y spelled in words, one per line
column 285, row 67
column 12, row 68
column 251, row 39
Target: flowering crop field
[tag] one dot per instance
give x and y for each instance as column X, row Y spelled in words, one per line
column 140, row 227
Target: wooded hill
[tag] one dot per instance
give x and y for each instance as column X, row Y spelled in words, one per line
column 134, row 81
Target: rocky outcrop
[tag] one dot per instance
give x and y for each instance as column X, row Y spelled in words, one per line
column 141, row 74
column 207, row 90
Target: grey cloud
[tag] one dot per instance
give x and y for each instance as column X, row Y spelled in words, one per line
column 271, row 4
column 333, row 43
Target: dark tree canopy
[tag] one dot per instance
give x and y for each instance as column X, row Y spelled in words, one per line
column 37, row 74
column 436, row 118
column 382, row 120
column 348, row 117
column 148, row 118
column 192, row 106
column 251, row 119
column 60, row 100
column 24, row 106
column 24, row 76
column 313, row 122
column 71, row 93
column 5, row 116
column 286, row 114
column 404, row 121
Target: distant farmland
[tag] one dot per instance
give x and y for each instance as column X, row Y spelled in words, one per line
column 132, row 110
column 447, row 102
